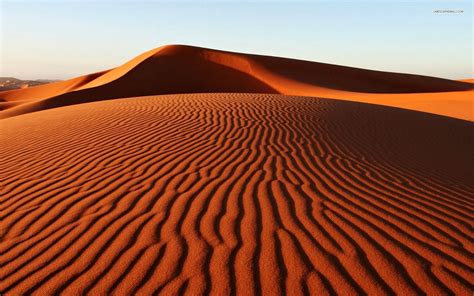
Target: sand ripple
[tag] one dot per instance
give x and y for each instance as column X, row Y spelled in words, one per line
column 235, row 194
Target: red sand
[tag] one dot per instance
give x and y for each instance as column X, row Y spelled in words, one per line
column 232, row 193
column 185, row 69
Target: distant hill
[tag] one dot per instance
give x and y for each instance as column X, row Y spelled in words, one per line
column 8, row 83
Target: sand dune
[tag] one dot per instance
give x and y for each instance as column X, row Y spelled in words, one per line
column 185, row 69
column 235, row 194
column 48, row 90
column 196, row 171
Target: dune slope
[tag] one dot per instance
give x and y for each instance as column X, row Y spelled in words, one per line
column 235, row 194
column 185, row 69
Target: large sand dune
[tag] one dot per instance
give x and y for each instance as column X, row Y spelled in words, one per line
column 242, row 194
column 196, row 171
column 185, row 69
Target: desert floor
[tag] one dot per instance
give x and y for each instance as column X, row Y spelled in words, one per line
column 248, row 194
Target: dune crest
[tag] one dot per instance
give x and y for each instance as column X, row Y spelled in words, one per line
column 177, row 69
column 193, row 171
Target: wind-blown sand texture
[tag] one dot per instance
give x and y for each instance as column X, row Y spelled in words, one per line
column 233, row 194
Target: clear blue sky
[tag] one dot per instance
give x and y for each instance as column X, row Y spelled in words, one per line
column 62, row 39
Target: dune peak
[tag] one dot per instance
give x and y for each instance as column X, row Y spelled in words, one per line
column 174, row 69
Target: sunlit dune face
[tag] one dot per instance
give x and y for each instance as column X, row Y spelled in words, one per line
column 190, row 171
column 185, row 69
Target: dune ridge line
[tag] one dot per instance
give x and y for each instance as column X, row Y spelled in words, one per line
column 175, row 69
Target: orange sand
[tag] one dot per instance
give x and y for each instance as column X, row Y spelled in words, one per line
column 233, row 193
column 185, row 69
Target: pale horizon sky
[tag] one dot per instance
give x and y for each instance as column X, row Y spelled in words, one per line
column 64, row 39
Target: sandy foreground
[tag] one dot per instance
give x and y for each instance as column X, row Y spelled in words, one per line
column 232, row 193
